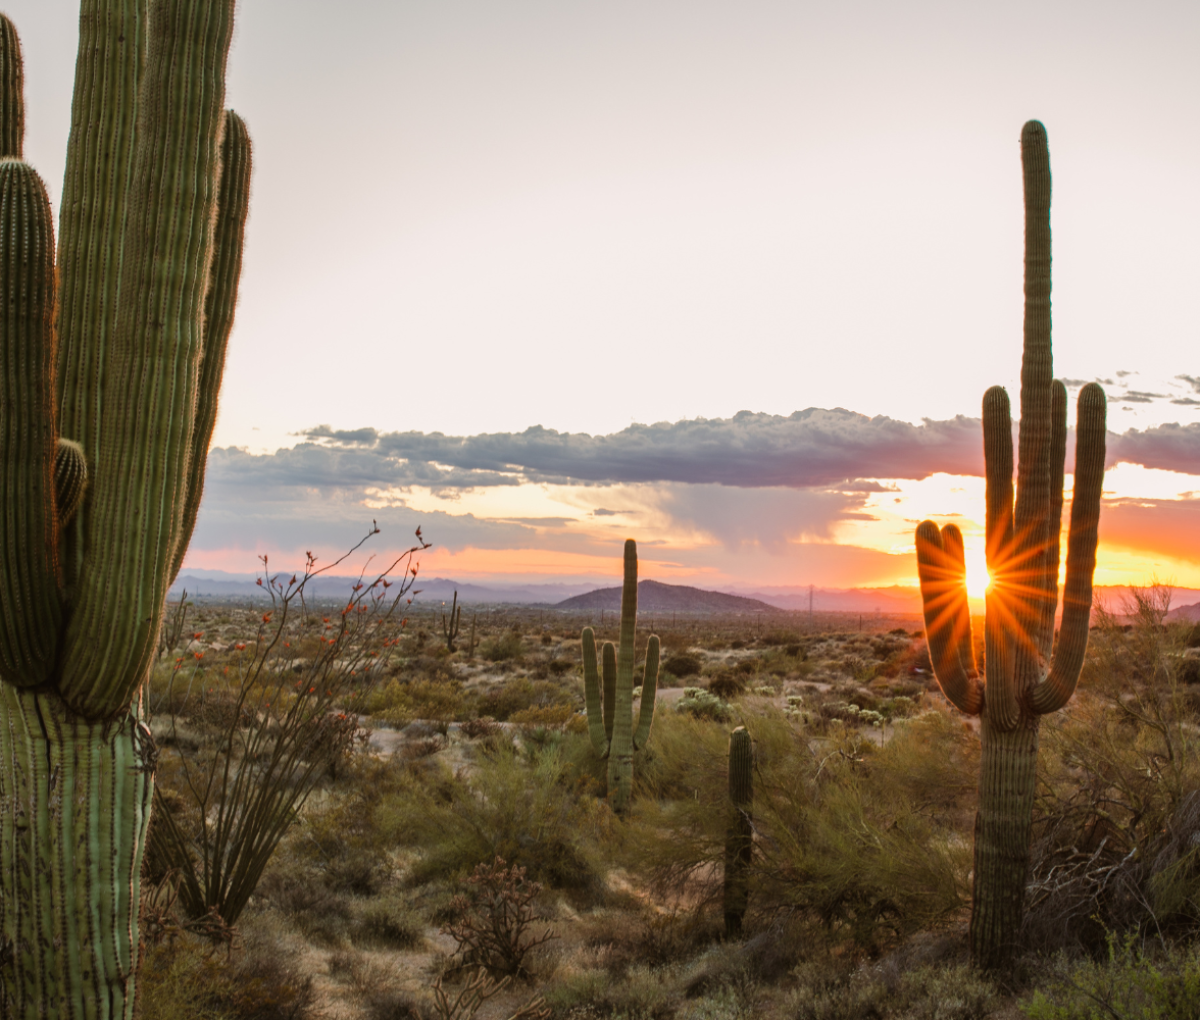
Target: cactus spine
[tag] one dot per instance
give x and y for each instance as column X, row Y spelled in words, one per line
column 610, row 712
column 104, row 430
column 740, row 834
column 450, row 626
column 1028, row 672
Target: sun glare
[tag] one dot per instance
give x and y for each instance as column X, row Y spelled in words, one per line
column 978, row 577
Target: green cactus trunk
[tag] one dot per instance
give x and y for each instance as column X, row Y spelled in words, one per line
column 739, row 837
column 610, row 711
column 73, row 819
column 1029, row 673
column 104, row 432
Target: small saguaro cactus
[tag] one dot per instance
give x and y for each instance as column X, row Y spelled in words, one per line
column 739, row 837
column 450, row 626
column 610, row 713
column 1028, row 672
column 111, row 355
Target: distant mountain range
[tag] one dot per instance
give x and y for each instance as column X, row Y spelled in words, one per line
column 656, row 597
column 653, row 596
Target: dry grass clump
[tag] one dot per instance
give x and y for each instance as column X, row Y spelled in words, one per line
column 188, row 979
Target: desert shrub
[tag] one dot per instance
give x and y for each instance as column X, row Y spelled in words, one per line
column 642, row 993
column 388, row 921
column 1128, row 981
column 517, row 807
column 483, row 726
column 727, row 684
column 549, row 717
column 1117, row 824
column 502, row 700
column 503, row 647
column 182, row 978
column 682, row 665
column 870, row 843
column 422, row 747
column 498, row 925
column 698, row 702
column 400, row 702
column 347, row 839
column 923, row 993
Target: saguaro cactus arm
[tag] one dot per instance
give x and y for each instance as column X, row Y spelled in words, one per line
column 1091, row 430
column 649, row 691
column 12, row 92
column 134, row 519
column 233, row 206
column 592, row 694
column 29, row 574
column 942, row 574
column 70, row 479
column 608, row 655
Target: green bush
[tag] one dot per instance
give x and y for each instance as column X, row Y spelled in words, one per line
column 517, row 807
column 503, row 648
column 682, row 665
column 1128, row 983
column 698, row 702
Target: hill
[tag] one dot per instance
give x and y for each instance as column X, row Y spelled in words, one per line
column 656, row 597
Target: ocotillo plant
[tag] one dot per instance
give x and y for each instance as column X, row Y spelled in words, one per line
column 1028, row 672
column 450, row 626
column 740, row 834
column 610, row 713
column 122, row 397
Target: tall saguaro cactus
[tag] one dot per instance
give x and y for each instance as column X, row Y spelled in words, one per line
column 610, row 713
column 1029, row 673
column 109, row 371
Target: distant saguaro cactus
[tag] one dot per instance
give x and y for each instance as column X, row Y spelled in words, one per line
column 450, row 626
column 1028, row 673
column 610, row 714
column 112, row 359
column 739, row 836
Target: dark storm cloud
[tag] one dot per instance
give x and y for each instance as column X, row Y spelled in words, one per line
column 810, row 448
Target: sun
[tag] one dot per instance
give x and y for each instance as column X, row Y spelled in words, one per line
column 978, row 577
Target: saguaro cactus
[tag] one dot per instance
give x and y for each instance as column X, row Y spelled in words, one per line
column 610, row 715
column 450, row 627
column 739, row 837
column 1028, row 672
column 104, row 432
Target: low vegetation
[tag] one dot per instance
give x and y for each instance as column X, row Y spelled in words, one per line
column 459, row 838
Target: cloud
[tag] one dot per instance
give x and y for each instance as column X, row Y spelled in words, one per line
column 815, row 447
column 1191, row 380
column 1172, row 447
column 1139, row 397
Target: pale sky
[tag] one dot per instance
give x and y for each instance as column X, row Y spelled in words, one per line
column 476, row 217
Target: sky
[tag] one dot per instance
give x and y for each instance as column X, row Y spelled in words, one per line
column 728, row 278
